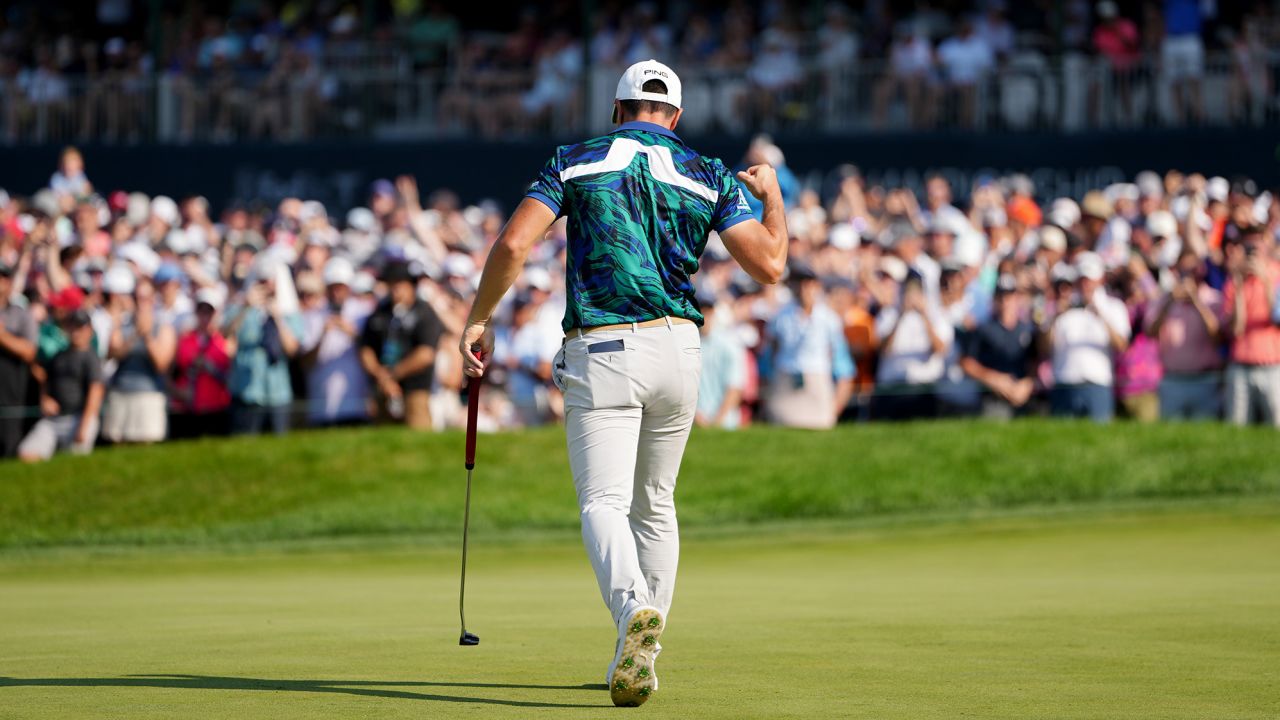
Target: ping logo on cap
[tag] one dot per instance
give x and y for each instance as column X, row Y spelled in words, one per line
column 656, row 72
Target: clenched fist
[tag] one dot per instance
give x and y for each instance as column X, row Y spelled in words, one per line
column 761, row 180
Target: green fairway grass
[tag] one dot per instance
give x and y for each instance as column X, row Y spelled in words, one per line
column 380, row 482
column 1137, row 616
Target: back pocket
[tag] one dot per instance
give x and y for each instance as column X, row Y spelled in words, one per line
column 597, row 375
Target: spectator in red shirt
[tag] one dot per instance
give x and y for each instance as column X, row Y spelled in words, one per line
column 200, row 398
column 1253, row 375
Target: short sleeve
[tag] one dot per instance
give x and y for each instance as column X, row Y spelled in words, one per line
column 731, row 207
column 842, row 366
column 548, row 188
column 428, row 330
column 93, row 368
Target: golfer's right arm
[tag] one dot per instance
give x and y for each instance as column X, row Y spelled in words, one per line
column 760, row 247
column 527, row 226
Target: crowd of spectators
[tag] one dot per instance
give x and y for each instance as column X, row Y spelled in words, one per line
column 293, row 71
column 135, row 319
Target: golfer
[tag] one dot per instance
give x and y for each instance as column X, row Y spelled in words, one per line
column 640, row 204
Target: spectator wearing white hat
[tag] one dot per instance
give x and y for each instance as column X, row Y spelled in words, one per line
column 1090, row 328
column 201, row 368
column 337, row 386
column 136, row 409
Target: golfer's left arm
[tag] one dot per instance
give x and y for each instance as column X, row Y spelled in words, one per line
column 527, row 226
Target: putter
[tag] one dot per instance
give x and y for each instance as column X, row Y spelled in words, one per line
column 473, row 408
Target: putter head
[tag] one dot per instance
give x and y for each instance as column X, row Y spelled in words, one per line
column 469, row 639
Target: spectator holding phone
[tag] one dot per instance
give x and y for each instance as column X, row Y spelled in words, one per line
column 202, row 365
column 914, row 340
column 1091, row 327
column 1253, row 372
column 265, row 328
column 1185, row 323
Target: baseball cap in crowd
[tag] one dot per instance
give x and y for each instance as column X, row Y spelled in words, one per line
column 1024, row 210
column 1095, row 204
column 78, row 318
column 209, row 296
column 706, row 299
column 362, row 219
column 799, row 270
column 631, row 84
column 338, row 271
column 1052, row 238
column 167, row 272
column 1162, row 224
column 1006, row 284
column 1149, row 184
column 844, row 236
column 1217, row 189
column 538, row 278
column 1064, row 212
column 118, row 280
column 398, row 271
column 1090, row 266
column 894, row 267
column 6, row 270
column 139, row 254
column 68, row 298
column 164, row 208
column 362, row 282
column 382, row 186
column 1063, row 273
column 1107, row 9
column 118, row 202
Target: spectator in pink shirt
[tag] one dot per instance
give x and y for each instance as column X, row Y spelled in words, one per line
column 1185, row 324
column 1138, row 369
column 1253, row 375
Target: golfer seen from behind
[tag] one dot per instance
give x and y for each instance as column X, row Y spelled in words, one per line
column 639, row 205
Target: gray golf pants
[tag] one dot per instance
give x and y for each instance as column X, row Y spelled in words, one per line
column 630, row 397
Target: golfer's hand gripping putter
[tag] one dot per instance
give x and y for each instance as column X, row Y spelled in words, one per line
column 473, row 409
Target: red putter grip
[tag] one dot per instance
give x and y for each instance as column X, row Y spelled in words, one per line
column 473, row 409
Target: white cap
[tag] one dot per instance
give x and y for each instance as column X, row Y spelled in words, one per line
column 1162, row 224
column 631, row 82
column 1217, row 189
column 166, row 209
column 210, row 296
column 338, row 271
column 118, row 280
column 363, row 282
column 1090, row 266
column 140, row 255
column 1052, row 238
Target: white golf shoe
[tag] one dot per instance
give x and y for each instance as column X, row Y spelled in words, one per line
column 632, row 678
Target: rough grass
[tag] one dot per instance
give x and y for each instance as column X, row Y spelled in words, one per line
column 391, row 482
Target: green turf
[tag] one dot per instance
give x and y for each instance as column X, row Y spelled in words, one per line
column 1170, row 616
column 380, row 482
